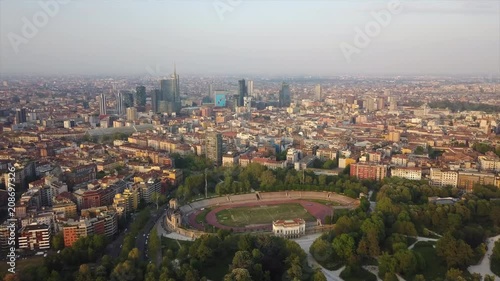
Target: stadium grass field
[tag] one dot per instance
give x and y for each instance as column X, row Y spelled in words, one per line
column 263, row 214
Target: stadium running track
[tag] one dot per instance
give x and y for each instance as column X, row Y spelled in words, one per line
column 317, row 210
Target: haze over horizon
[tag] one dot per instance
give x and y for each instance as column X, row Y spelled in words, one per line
column 258, row 37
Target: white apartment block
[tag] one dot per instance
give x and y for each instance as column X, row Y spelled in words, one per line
column 407, row 173
column 443, row 177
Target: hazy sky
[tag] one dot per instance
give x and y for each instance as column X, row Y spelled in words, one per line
column 251, row 37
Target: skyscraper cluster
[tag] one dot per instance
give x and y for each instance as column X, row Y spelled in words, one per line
column 168, row 99
column 20, row 115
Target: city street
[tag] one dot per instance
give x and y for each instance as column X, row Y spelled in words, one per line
column 141, row 237
column 114, row 248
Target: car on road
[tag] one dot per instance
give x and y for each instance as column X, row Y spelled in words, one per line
column 144, row 235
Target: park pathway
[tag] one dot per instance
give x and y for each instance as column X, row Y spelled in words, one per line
column 305, row 243
column 420, row 238
column 483, row 267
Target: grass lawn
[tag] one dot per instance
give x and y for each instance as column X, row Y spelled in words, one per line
column 264, row 214
column 200, row 218
column 21, row 264
column 435, row 266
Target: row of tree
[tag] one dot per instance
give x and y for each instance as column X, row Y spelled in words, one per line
column 233, row 180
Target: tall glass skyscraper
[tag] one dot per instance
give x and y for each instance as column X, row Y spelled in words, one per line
column 250, row 88
column 102, row 104
column 120, row 107
column 285, row 96
column 140, row 96
column 242, row 93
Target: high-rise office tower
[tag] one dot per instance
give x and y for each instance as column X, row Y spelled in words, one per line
column 220, row 98
column 120, row 108
column 128, row 99
column 155, row 97
column 242, row 92
column 393, row 105
column 140, row 96
column 170, row 100
column 317, row 92
column 250, row 88
column 369, row 104
column 213, row 145
column 248, row 105
column 380, row 103
column 285, row 97
column 210, row 90
column 102, row 104
column 20, row 115
column 131, row 114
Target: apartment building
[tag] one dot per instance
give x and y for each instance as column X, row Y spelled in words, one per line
column 368, row 171
column 413, row 173
column 443, row 177
column 34, row 237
